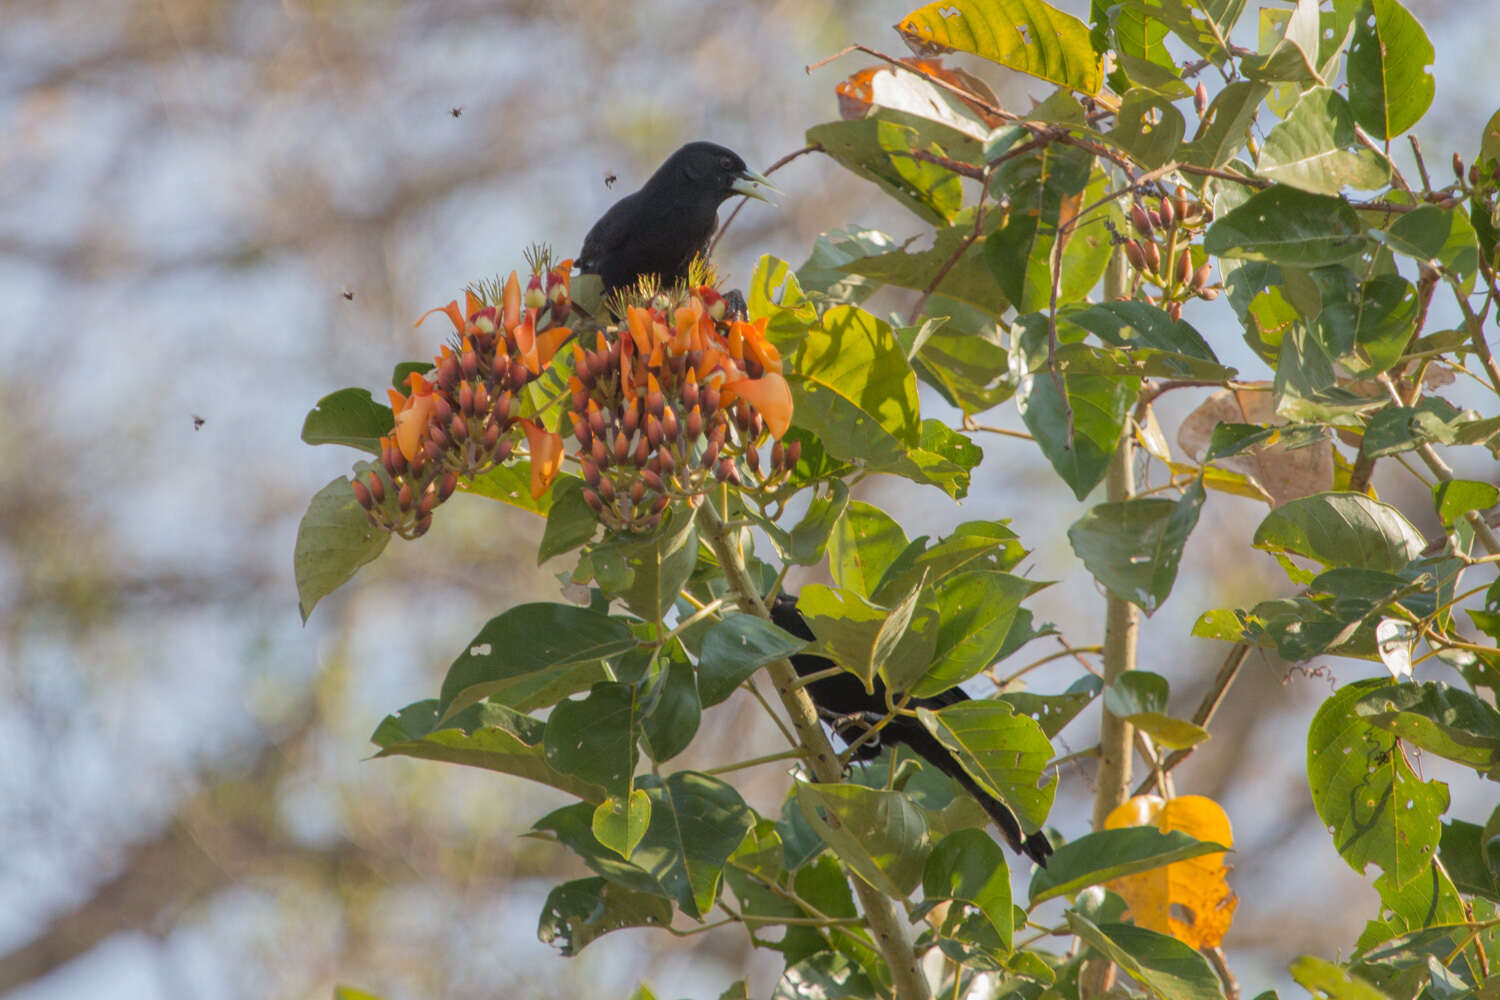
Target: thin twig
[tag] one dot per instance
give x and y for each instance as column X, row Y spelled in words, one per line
column 1207, row 707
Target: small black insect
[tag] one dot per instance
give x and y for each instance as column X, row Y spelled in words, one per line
column 456, row 112
column 610, row 178
column 198, row 422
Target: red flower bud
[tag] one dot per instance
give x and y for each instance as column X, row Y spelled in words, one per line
column 1184, row 266
column 469, row 362
column 1201, row 276
column 466, row 397
column 590, row 470
column 535, row 297
column 637, row 491
column 491, row 435
column 459, row 428
column 607, row 490
column 592, row 499
column 694, row 424
column 1200, row 98
column 622, row 446
column 669, row 424
column 725, row 471
column 631, row 418
column 1168, row 213
column 653, row 431
column 404, row 497
column 642, row 451
column 599, row 453
column 793, row 454
column 362, row 494
column 653, row 481
column 504, row 448
column 447, row 485
column 377, row 487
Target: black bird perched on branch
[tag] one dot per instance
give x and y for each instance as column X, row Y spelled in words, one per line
column 843, row 700
column 659, row 229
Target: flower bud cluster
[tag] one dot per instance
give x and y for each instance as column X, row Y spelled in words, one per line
column 1161, row 249
column 677, row 398
column 461, row 418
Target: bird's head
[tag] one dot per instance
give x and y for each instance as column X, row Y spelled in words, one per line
column 710, row 167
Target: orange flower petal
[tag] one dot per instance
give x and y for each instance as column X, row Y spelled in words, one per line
column 771, row 397
column 472, row 303
column 547, row 343
column 411, row 425
column 512, row 300
column 546, row 456
column 639, row 321
column 450, row 310
column 398, row 401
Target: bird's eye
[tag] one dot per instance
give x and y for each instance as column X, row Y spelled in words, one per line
column 725, row 163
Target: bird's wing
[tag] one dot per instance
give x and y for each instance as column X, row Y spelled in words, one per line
column 606, row 235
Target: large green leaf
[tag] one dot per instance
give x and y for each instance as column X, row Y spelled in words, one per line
column 878, row 148
column 1133, row 547
column 856, row 634
column 1341, row 529
column 1322, row 978
column 489, row 736
column 1168, row 968
column 977, row 611
column 1140, row 698
column 974, row 546
column 1440, row 720
column 734, row 649
column 1004, row 752
column 864, row 543
column 967, row 279
column 879, row 834
column 824, row 272
column 334, row 539
column 1366, row 792
column 1441, row 236
column 1148, row 127
column 1226, row 125
column 580, row 912
column 351, row 417
column 647, row 573
column 594, row 738
column 1316, row 148
column 1098, row 857
column 855, row 390
column 697, row 821
column 527, row 645
column 1390, row 88
column 673, row 710
column 1029, row 36
column 1080, row 448
column 968, row 867
column 1287, row 226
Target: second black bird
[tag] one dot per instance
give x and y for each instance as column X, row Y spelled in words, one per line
column 843, row 701
column 659, row 229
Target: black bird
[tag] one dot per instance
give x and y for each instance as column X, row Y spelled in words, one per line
column 660, row 228
column 843, row 701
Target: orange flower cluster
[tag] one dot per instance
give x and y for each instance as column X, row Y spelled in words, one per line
column 458, row 419
column 677, row 395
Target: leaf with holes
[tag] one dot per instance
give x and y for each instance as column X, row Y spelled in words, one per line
column 1029, row 36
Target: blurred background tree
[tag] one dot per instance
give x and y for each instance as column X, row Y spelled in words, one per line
column 213, row 211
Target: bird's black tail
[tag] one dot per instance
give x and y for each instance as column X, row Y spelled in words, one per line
column 924, row 744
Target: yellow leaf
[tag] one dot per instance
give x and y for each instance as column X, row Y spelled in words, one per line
column 1190, row 900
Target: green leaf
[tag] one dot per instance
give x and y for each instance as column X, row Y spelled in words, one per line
column 570, row 522
column 511, row 484
column 826, row 975
column 1028, row 36
column 734, row 649
column 1450, row 723
column 1293, row 56
column 1168, row 968
column 977, row 610
column 974, row 546
column 1316, row 149
column 1054, row 711
column 1341, row 529
column 594, row 738
column 824, row 271
column 653, row 569
column 1287, row 226
column 856, row 634
column 1003, row 752
column 1440, row 236
column 968, row 867
column 620, row 828
column 1139, row 325
column 528, row 644
column 1366, row 792
column 1456, row 497
column 1046, row 189
column 1148, row 127
column 970, row 370
column 1099, row 857
column 879, row 147
column 351, row 417
column 1099, row 405
column 879, row 834
column 1390, row 88
column 1470, row 860
column 671, row 705
column 967, row 280
column 1324, row 979
column 943, row 458
column 580, row 912
column 334, row 539
column 493, row 737
column 854, row 389
column 865, row 542
column 1133, row 547
column 809, row 538
column 1226, row 125
column 1140, row 698
column 697, row 821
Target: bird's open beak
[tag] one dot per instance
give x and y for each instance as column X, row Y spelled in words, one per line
column 753, row 185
